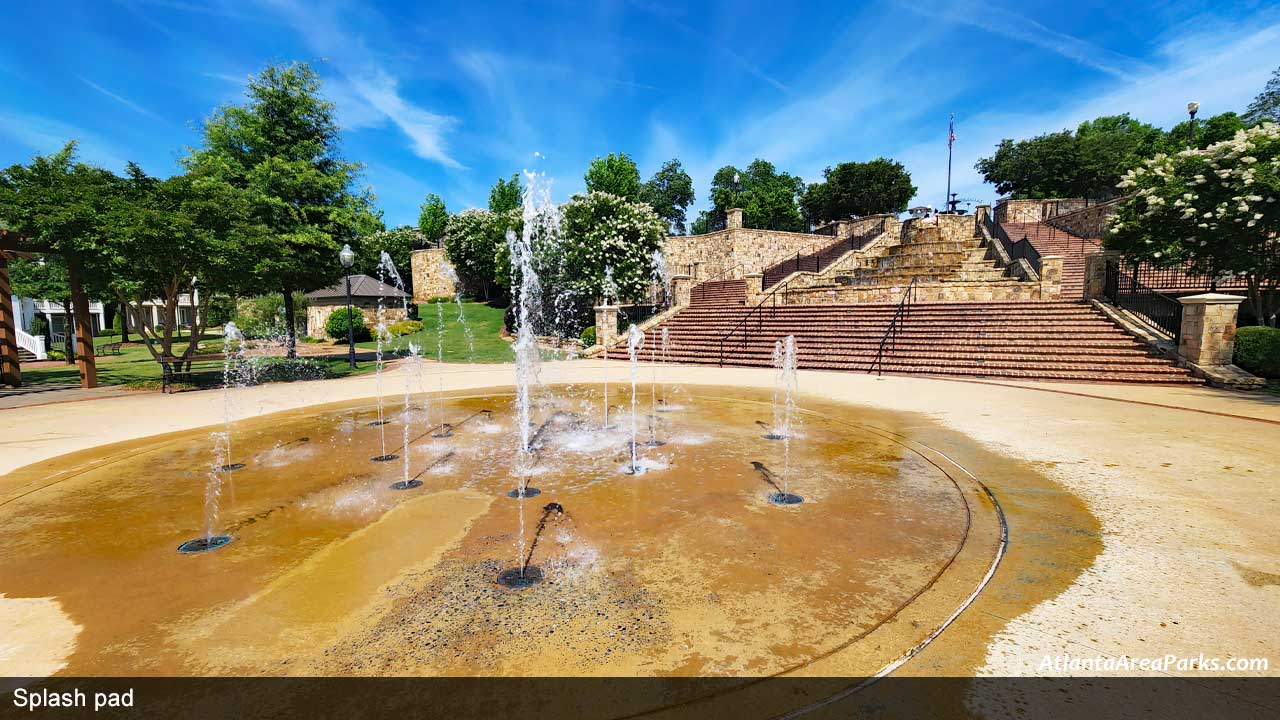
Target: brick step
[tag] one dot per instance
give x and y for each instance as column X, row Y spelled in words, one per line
column 918, row 364
column 1059, row 355
column 1121, row 345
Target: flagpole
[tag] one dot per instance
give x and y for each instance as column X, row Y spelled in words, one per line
column 951, row 138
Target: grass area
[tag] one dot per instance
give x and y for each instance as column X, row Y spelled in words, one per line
column 485, row 322
column 136, row 367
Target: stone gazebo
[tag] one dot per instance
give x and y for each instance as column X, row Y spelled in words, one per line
column 365, row 294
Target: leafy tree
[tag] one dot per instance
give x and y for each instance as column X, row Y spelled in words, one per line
column 399, row 243
column 1108, row 147
column 705, row 223
column 767, row 197
column 1212, row 130
column 281, row 149
column 432, row 219
column 60, row 202
column 475, row 242
column 857, row 188
column 614, row 174
column 669, row 192
column 600, row 230
column 163, row 236
column 1266, row 106
column 1215, row 210
column 1042, row 167
column 505, row 195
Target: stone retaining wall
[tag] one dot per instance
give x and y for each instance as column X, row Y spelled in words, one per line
column 951, row 291
column 1090, row 222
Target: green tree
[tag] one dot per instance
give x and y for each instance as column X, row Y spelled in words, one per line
column 614, row 174
column 1044, row 166
column 432, row 219
column 505, row 195
column 281, row 149
column 475, row 242
column 1266, row 106
column 669, row 192
column 165, row 237
column 59, row 202
column 1108, row 147
column 768, row 198
column 1215, row 210
column 399, row 243
column 1212, row 130
column 859, row 188
column 601, row 230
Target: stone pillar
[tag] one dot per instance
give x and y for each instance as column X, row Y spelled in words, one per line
column 733, row 219
column 1095, row 272
column 606, row 324
column 681, row 289
column 10, row 370
column 755, row 289
column 1208, row 335
column 1050, row 277
column 981, row 213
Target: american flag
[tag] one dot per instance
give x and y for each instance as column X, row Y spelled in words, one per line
column 951, row 130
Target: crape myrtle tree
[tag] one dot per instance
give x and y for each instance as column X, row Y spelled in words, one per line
column 858, row 188
column 599, row 230
column 768, row 198
column 167, row 237
column 670, row 192
column 475, row 243
column 280, row 148
column 1216, row 210
column 60, row 202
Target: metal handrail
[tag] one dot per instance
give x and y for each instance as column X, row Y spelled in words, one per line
column 1125, row 291
column 890, row 337
column 780, row 270
column 758, row 313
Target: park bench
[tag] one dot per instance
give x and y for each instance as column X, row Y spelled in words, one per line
column 109, row 349
column 173, row 368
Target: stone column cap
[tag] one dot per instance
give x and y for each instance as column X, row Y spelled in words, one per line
column 680, row 275
column 1103, row 251
column 1212, row 299
column 607, row 307
column 1050, row 257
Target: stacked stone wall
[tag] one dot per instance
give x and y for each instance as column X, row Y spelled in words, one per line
column 429, row 280
column 318, row 315
column 1090, row 222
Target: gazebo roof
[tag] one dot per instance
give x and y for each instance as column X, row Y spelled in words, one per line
column 362, row 286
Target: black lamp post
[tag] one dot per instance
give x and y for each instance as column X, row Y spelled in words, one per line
column 1192, row 108
column 348, row 258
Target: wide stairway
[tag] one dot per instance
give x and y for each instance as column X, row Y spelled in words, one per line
column 1022, row 340
column 1049, row 240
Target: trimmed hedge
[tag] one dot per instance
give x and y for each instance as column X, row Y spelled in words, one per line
column 404, row 327
column 589, row 336
column 1258, row 350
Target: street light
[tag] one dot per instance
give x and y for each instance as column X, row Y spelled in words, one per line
column 1192, row 108
column 348, row 258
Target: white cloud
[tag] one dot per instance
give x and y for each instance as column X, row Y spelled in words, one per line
column 119, row 98
column 43, row 135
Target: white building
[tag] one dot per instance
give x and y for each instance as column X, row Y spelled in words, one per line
column 59, row 328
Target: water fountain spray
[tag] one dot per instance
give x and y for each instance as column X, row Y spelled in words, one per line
column 610, row 291
column 385, row 266
column 785, row 362
column 653, row 440
column 666, row 371
column 635, row 341
column 411, row 367
column 539, row 217
column 233, row 368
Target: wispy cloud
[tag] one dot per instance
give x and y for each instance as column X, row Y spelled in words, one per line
column 1009, row 24
column 341, row 45
column 120, row 99
column 42, row 135
column 1222, row 72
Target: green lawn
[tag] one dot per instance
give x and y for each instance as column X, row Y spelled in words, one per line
column 485, row 323
column 135, row 366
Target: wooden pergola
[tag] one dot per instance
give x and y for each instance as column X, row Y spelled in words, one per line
column 14, row 245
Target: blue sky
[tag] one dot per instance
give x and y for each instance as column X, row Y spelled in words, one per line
column 446, row 97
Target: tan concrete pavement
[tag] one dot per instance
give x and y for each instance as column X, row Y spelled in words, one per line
column 1185, row 483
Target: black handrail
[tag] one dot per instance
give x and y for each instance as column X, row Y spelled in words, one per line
column 890, row 337
column 818, row 260
column 1125, row 291
column 772, row 300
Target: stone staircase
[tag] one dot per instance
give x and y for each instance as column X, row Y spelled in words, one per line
column 1049, row 240
column 925, row 256
column 1022, row 340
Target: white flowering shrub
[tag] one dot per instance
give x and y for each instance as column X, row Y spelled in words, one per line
column 600, row 230
column 475, row 244
column 1216, row 209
